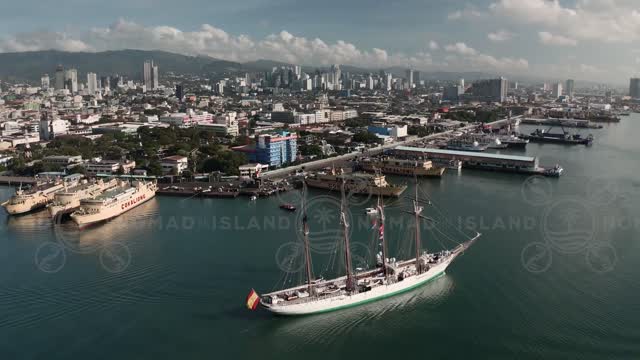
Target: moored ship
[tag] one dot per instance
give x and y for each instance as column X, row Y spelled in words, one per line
column 39, row 196
column 404, row 167
column 113, row 203
column 388, row 278
column 355, row 183
column 546, row 136
column 68, row 200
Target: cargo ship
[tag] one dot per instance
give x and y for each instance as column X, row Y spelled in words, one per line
column 39, row 196
column 404, row 167
column 68, row 200
column 546, row 136
column 355, row 183
column 113, row 203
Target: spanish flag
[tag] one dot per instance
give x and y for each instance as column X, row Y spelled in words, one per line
column 252, row 300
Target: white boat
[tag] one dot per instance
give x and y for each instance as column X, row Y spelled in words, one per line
column 115, row 202
column 371, row 211
column 390, row 277
column 68, row 200
column 39, row 196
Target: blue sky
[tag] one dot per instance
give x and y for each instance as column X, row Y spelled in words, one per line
column 584, row 39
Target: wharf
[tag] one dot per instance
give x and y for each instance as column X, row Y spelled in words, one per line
column 196, row 190
column 17, row 180
column 482, row 161
column 569, row 123
column 209, row 190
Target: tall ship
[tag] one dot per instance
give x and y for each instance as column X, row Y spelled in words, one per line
column 113, row 202
column 38, row 196
column 404, row 167
column 389, row 277
column 68, row 200
column 355, row 183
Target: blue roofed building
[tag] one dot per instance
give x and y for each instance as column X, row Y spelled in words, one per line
column 274, row 149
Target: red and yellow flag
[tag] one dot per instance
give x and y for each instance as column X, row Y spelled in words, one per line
column 252, row 300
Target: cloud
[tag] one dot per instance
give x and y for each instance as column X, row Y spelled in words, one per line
column 469, row 12
column 594, row 20
column 460, row 48
column 499, row 36
column 555, row 40
column 463, row 56
column 532, row 11
column 41, row 40
column 283, row 46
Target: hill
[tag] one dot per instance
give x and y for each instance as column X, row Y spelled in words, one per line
column 29, row 66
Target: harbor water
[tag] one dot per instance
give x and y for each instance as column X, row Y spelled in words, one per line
column 553, row 276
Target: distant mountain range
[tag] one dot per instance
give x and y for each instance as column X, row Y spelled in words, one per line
column 30, row 66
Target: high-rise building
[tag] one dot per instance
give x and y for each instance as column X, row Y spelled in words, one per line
column 274, row 149
column 494, row 90
column 71, row 80
column 557, row 90
column 389, row 81
column 570, row 87
column 179, row 92
column 219, row 88
column 150, row 75
column 336, row 77
column 105, row 83
column 634, row 88
column 409, row 78
column 155, row 80
column 59, row 77
column 92, row 83
column 44, row 82
column 452, row 93
column 416, row 78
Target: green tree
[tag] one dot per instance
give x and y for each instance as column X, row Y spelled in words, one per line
column 226, row 162
column 154, row 168
column 365, row 137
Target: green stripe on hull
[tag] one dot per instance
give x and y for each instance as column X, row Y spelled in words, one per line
column 437, row 276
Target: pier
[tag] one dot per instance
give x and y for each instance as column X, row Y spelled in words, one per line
column 17, row 180
column 475, row 160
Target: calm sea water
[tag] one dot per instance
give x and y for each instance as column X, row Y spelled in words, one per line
column 554, row 275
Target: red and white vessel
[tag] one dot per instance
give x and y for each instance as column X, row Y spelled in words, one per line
column 114, row 202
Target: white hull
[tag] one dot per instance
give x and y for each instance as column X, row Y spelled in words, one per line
column 95, row 211
column 27, row 203
column 332, row 303
column 66, row 203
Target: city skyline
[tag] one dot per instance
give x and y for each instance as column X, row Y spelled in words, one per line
column 543, row 38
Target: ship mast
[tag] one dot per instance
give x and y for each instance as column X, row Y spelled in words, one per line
column 305, row 232
column 383, row 242
column 417, row 209
column 345, row 228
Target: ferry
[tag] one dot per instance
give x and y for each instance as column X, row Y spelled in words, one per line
column 68, row 200
column 395, row 166
column 355, row 183
column 113, row 203
column 39, row 196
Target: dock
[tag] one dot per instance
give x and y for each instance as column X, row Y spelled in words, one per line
column 475, row 160
column 17, row 180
